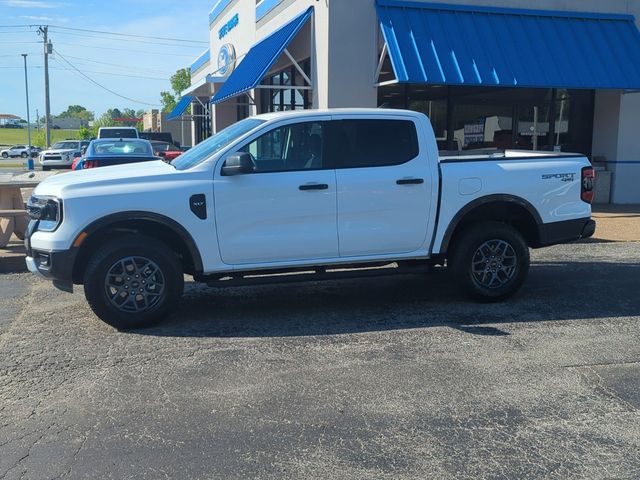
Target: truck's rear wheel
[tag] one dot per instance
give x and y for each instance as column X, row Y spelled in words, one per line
column 490, row 260
column 133, row 282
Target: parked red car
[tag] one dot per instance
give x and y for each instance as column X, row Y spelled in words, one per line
column 166, row 150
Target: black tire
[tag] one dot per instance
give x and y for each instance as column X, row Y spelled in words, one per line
column 24, row 154
column 490, row 261
column 46, row 169
column 129, row 251
column 5, row 155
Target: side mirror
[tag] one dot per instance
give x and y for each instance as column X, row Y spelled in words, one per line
column 237, row 164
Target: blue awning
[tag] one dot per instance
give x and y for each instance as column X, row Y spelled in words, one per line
column 260, row 58
column 180, row 107
column 485, row 46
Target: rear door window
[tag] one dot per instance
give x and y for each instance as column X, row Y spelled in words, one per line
column 371, row 143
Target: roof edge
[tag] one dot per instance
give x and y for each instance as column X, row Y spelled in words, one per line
column 506, row 11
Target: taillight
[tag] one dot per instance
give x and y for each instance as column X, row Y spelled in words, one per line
column 588, row 184
column 90, row 164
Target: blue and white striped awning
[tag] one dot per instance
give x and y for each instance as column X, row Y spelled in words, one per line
column 260, row 58
column 180, row 107
column 444, row 44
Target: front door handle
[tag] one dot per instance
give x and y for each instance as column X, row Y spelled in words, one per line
column 410, row 181
column 314, row 186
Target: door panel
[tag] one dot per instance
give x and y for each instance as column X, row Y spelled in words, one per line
column 384, row 186
column 286, row 209
column 267, row 217
column 376, row 215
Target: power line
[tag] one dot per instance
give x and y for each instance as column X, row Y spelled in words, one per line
column 127, row 50
column 102, row 86
column 114, row 74
column 131, row 35
column 18, row 54
column 121, row 66
column 84, row 35
column 62, row 67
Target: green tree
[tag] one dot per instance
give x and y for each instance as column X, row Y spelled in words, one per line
column 168, row 101
column 86, row 133
column 180, row 81
column 77, row 111
column 107, row 118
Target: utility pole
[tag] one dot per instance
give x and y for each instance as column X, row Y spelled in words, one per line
column 44, row 31
column 37, row 120
column 26, row 88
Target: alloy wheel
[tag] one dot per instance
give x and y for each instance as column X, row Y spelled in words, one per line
column 134, row 284
column 494, row 264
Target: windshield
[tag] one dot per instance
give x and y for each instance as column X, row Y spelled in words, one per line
column 99, row 148
column 204, row 150
column 163, row 146
column 65, row 145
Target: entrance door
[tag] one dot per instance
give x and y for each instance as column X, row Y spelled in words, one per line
column 384, row 186
column 286, row 209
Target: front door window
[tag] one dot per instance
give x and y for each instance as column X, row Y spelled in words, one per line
column 289, row 148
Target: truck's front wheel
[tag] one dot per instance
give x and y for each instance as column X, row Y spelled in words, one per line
column 133, row 282
column 490, row 260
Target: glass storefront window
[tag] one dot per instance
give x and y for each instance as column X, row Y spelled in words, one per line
column 202, row 120
column 279, row 99
column 504, row 118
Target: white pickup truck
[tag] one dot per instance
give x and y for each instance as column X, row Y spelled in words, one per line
column 322, row 194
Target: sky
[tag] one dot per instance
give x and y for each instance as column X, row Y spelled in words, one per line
column 137, row 68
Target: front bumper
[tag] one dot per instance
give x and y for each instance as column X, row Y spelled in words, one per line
column 56, row 163
column 56, row 266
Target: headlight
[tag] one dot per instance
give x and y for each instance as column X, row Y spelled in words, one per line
column 46, row 210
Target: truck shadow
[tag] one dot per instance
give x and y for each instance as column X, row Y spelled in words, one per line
column 554, row 291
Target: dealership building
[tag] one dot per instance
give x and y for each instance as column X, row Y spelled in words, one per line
column 490, row 74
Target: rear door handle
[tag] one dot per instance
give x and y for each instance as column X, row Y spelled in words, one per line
column 410, row 181
column 314, row 186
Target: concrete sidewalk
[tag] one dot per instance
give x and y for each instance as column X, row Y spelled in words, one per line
column 615, row 223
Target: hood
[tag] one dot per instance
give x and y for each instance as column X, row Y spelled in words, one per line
column 118, row 178
column 61, row 150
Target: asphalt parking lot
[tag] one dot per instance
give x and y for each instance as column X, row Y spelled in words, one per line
column 378, row 378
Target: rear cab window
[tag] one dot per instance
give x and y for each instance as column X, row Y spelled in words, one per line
column 357, row 143
column 118, row 133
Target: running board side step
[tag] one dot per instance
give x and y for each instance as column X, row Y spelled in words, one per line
column 313, row 274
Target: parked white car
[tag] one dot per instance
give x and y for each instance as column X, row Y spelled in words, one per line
column 62, row 154
column 303, row 191
column 19, row 151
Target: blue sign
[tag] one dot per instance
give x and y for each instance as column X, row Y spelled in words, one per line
column 227, row 27
column 226, row 59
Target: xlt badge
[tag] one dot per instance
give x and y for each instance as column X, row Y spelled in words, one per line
column 198, row 205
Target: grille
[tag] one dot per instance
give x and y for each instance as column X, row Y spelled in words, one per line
column 53, row 157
